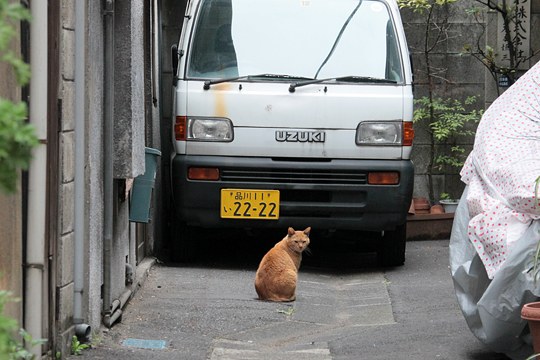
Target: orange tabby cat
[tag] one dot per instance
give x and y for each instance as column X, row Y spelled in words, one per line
column 278, row 271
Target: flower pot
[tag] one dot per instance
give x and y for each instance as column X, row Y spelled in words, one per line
column 437, row 209
column 421, row 205
column 531, row 313
column 449, row 205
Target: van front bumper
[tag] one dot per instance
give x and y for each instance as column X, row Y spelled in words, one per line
column 331, row 194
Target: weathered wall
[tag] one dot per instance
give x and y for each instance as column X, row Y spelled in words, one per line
column 129, row 113
column 460, row 76
column 10, row 212
column 66, row 229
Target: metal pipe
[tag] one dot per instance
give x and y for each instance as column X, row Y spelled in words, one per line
column 110, row 319
column 83, row 332
column 108, row 116
column 116, row 309
column 80, row 147
column 37, row 181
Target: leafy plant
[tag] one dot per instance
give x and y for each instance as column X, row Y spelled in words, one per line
column 446, row 120
column 444, row 196
column 507, row 62
column 17, row 138
column 77, row 347
column 11, row 339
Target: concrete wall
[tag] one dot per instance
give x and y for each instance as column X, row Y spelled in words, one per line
column 129, row 111
column 93, row 230
column 460, row 76
column 129, row 143
column 64, row 275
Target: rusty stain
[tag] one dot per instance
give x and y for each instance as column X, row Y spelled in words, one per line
column 220, row 103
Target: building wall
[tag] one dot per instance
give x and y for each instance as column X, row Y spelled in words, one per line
column 11, row 211
column 129, row 143
column 460, row 76
column 66, row 231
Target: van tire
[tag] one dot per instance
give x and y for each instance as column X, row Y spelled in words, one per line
column 391, row 248
column 183, row 247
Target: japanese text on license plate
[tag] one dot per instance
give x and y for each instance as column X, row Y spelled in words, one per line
column 249, row 204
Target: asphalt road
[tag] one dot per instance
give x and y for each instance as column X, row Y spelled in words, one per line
column 346, row 308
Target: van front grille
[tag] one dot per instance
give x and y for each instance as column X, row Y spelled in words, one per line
column 294, row 176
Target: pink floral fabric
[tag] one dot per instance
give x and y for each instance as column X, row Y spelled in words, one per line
column 502, row 169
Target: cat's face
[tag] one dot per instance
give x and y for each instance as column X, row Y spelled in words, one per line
column 298, row 241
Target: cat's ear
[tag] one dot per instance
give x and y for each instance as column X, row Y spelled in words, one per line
column 307, row 231
column 291, row 231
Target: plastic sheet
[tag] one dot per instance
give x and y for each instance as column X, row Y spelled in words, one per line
column 497, row 224
column 492, row 308
column 501, row 170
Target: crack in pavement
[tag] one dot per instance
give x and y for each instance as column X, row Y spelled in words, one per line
column 322, row 306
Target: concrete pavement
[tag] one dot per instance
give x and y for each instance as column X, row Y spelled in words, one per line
column 346, row 308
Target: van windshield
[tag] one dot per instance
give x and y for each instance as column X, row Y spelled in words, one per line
column 309, row 39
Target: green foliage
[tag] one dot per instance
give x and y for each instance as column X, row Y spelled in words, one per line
column 447, row 120
column 11, row 12
column 17, row 138
column 499, row 62
column 444, row 196
column 420, row 6
column 8, row 327
column 11, row 344
column 77, row 347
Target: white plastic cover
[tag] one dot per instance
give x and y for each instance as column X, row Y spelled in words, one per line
column 496, row 227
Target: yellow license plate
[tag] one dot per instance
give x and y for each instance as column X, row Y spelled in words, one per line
column 249, row 204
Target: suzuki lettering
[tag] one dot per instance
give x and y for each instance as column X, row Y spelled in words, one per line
column 300, row 136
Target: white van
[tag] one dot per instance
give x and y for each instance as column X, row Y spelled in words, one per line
column 293, row 113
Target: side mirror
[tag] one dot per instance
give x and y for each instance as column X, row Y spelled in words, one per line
column 174, row 55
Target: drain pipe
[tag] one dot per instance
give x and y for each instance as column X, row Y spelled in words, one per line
column 37, row 181
column 108, row 116
column 82, row 330
column 116, row 309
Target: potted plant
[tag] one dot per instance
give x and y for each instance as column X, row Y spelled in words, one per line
column 449, row 204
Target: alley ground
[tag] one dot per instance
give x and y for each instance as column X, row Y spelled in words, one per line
column 347, row 308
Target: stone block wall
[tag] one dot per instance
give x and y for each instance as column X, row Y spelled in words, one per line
column 66, row 230
column 460, row 76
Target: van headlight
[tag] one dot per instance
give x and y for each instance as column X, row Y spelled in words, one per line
column 379, row 133
column 210, row 129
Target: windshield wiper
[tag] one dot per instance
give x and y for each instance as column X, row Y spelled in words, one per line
column 365, row 79
column 338, row 38
column 209, row 83
column 348, row 78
